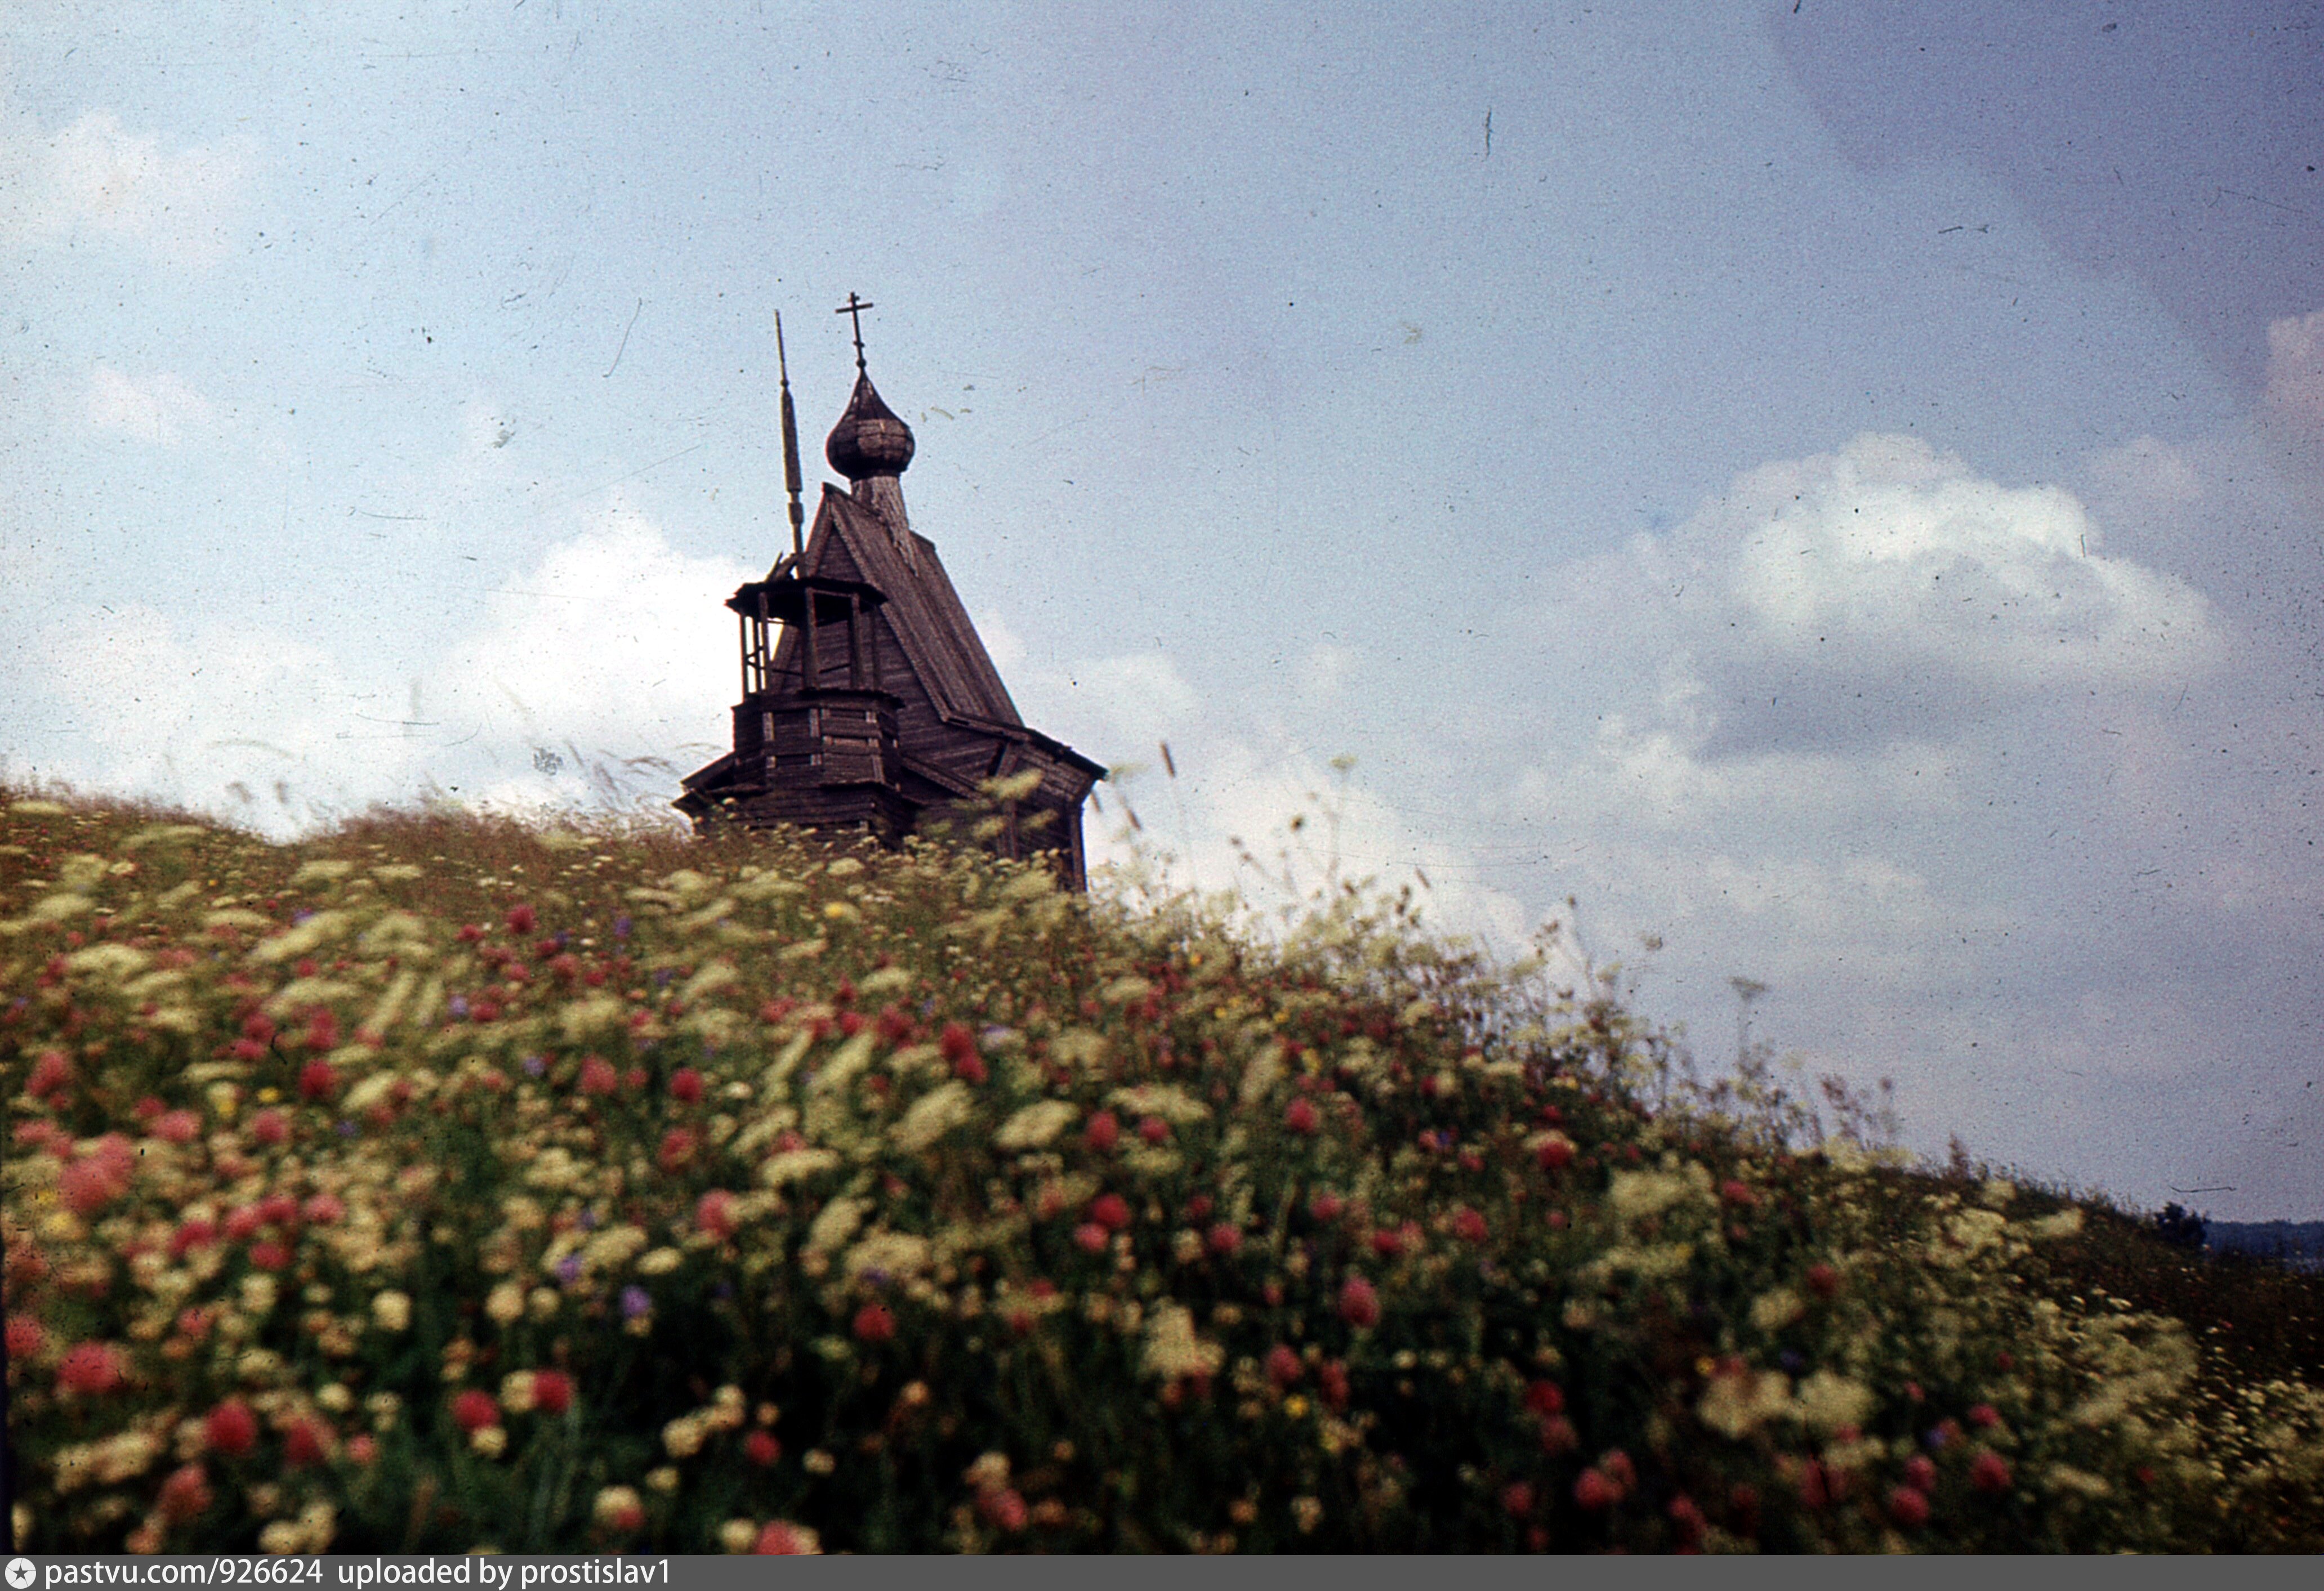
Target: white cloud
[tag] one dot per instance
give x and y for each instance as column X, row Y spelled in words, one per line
column 1826, row 868
column 1359, row 829
column 159, row 409
column 238, row 720
column 1882, row 594
column 1235, row 796
column 612, row 644
column 609, row 649
column 1820, row 723
column 1654, row 781
column 97, row 177
column 2295, row 370
column 1243, row 779
column 1888, row 558
column 1241, row 782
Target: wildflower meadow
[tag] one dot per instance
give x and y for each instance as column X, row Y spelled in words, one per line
column 443, row 1182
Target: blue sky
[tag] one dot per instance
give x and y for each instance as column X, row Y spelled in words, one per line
column 1835, row 488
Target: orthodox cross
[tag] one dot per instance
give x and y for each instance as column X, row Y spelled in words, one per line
column 853, row 310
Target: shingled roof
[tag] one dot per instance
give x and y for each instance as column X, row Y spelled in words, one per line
column 854, row 541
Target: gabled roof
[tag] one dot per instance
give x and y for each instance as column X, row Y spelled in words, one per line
column 853, row 541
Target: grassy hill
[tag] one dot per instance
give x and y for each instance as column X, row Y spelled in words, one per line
column 442, row 1183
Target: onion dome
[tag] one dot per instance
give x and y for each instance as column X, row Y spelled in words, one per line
column 868, row 439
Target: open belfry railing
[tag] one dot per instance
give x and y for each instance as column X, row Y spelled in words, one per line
column 824, row 718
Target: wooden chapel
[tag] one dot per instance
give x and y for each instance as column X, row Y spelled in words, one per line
column 868, row 702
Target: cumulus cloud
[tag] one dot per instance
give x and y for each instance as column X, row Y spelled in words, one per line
column 1241, row 779
column 236, row 719
column 97, row 177
column 611, row 643
column 2295, row 370
column 1232, row 809
column 1841, row 651
column 1968, row 834
column 161, row 408
column 594, row 672
column 1660, row 781
column 1886, row 591
column 1359, row 829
